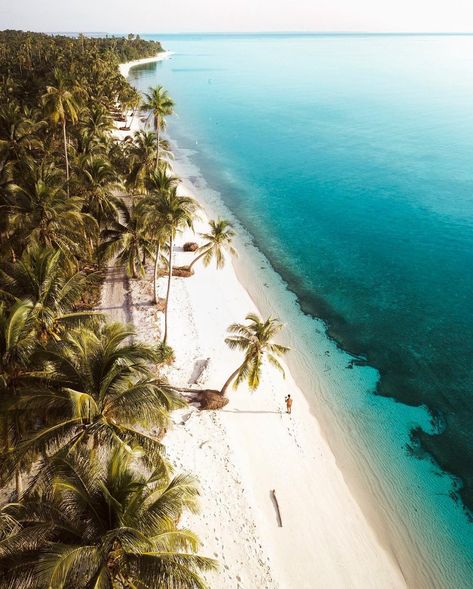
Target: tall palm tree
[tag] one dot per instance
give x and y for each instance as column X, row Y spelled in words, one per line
column 174, row 213
column 158, row 101
column 255, row 340
column 131, row 100
column 61, row 104
column 218, row 240
column 45, row 278
column 101, row 525
column 100, row 390
column 157, row 183
column 127, row 241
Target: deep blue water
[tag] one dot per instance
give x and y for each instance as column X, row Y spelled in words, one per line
column 349, row 159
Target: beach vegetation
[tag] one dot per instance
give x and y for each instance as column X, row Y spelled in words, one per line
column 126, row 242
column 83, row 405
column 255, row 340
column 104, row 523
column 160, row 105
column 217, row 241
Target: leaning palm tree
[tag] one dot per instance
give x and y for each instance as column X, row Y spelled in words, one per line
column 158, row 101
column 100, row 390
column 174, row 213
column 255, row 340
column 101, row 524
column 126, row 241
column 218, row 240
column 61, row 104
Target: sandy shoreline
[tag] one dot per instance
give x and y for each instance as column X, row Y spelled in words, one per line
column 242, row 453
column 126, row 67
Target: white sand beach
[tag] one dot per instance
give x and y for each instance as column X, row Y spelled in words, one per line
column 126, row 67
column 251, row 447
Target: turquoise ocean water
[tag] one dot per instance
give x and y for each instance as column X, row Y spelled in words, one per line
column 348, row 160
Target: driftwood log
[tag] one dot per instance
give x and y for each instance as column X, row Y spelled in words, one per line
column 276, row 506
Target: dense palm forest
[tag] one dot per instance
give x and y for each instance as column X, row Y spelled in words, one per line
column 87, row 497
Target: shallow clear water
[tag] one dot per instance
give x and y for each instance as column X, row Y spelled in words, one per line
column 349, row 161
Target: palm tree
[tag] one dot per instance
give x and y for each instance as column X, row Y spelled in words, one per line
column 157, row 183
column 173, row 213
column 158, row 101
column 61, row 104
column 97, row 121
column 99, row 180
column 131, row 100
column 255, row 340
column 218, row 240
column 17, row 342
column 94, row 134
column 127, row 241
column 101, row 524
column 43, row 276
column 41, row 212
column 19, row 133
column 100, row 390
column 142, row 155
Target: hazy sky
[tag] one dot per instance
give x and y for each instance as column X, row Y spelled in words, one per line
column 237, row 15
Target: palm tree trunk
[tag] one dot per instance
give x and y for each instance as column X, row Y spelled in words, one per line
column 196, row 259
column 18, row 483
column 230, row 379
column 6, row 433
column 166, row 306
column 65, row 152
column 156, row 273
column 157, row 136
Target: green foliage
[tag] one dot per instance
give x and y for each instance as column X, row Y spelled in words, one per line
column 126, row 242
column 103, row 524
column 255, row 340
column 217, row 240
column 28, row 61
column 82, row 406
column 95, row 386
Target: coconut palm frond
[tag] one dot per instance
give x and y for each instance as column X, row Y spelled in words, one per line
column 254, row 338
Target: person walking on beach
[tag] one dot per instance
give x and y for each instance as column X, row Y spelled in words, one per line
column 288, row 400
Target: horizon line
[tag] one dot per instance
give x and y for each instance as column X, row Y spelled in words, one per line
column 275, row 32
